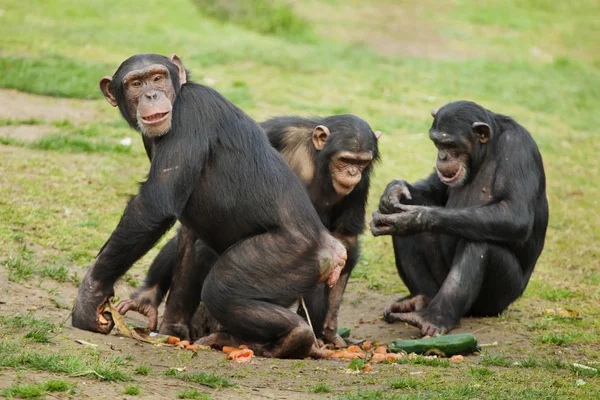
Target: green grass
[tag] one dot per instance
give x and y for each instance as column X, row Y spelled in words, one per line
column 404, row 383
column 62, row 194
column 37, row 390
column 37, row 330
column 263, row 16
column 201, row 378
column 320, row 388
column 73, row 365
column 132, row 390
column 192, row 394
column 143, row 369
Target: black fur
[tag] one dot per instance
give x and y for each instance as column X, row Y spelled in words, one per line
column 486, row 235
column 343, row 217
column 216, row 173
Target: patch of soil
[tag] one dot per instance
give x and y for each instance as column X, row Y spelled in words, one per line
column 395, row 28
column 26, row 133
column 19, row 105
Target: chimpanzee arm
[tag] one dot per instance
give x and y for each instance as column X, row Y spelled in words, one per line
column 151, row 212
column 427, row 192
column 508, row 217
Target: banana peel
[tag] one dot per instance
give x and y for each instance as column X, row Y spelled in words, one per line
column 140, row 334
column 561, row 313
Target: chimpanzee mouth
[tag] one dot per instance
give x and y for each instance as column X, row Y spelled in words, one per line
column 451, row 179
column 155, row 118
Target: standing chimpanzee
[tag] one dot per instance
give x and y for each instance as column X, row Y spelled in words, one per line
column 467, row 238
column 333, row 156
column 214, row 170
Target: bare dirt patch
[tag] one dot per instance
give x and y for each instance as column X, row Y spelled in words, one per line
column 19, row 105
column 395, row 28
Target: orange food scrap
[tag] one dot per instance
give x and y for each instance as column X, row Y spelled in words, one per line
column 183, row 343
column 367, row 346
column 173, row 340
column 367, row 368
column 241, row 355
column 381, row 350
column 392, row 357
column 457, row 357
column 354, row 349
column 378, row 357
column 229, row 349
column 193, row 347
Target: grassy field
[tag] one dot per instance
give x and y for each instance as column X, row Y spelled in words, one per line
column 63, row 189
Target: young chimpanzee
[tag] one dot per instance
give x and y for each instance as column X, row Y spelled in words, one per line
column 214, row 170
column 333, row 156
column 467, row 238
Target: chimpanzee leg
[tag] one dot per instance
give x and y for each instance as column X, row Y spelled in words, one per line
column 195, row 259
column 422, row 269
column 251, row 287
column 477, row 267
column 503, row 283
column 335, row 300
column 147, row 298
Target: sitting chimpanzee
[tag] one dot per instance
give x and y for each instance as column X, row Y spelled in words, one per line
column 467, row 238
column 333, row 156
column 214, row 170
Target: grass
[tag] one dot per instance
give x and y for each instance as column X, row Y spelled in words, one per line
column 320, row 388
column 37, row 390
column 201, row 378
column 62, row 194
column 192, row 394
column 132, row 390
column 143, row 369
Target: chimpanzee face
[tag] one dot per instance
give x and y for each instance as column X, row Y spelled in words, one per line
column 455, row 136
column 349, row 155
column 146, row 92
column 346, row 170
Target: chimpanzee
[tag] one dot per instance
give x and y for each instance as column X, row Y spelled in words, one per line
column 333, row 156
column 467, row 238
column 214, row 170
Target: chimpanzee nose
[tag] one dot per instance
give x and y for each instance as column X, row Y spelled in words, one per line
column 151, row 94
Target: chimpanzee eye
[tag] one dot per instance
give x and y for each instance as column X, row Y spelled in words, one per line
column 136, row 84
column 158, row 78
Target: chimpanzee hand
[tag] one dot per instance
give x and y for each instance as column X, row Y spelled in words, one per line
column 88, row 312
column 407, row 220
column 395, row 191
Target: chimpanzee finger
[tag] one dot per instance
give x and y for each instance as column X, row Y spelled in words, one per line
column 381, row 230
column 381, row 219
column 406, row 193
column 404, row 207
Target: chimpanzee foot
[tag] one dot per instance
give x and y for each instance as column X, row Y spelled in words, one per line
column 335, row 340
column 299, row 343
column 142, row 303
column 429, row 324
column 181, row 331
column 317, row 352
column 408, row 304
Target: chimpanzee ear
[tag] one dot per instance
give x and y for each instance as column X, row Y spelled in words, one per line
column 319, row 136
column 434, row 112
column 174, row 58
column 482, row 130
column 377, row 134
column 107, row 91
